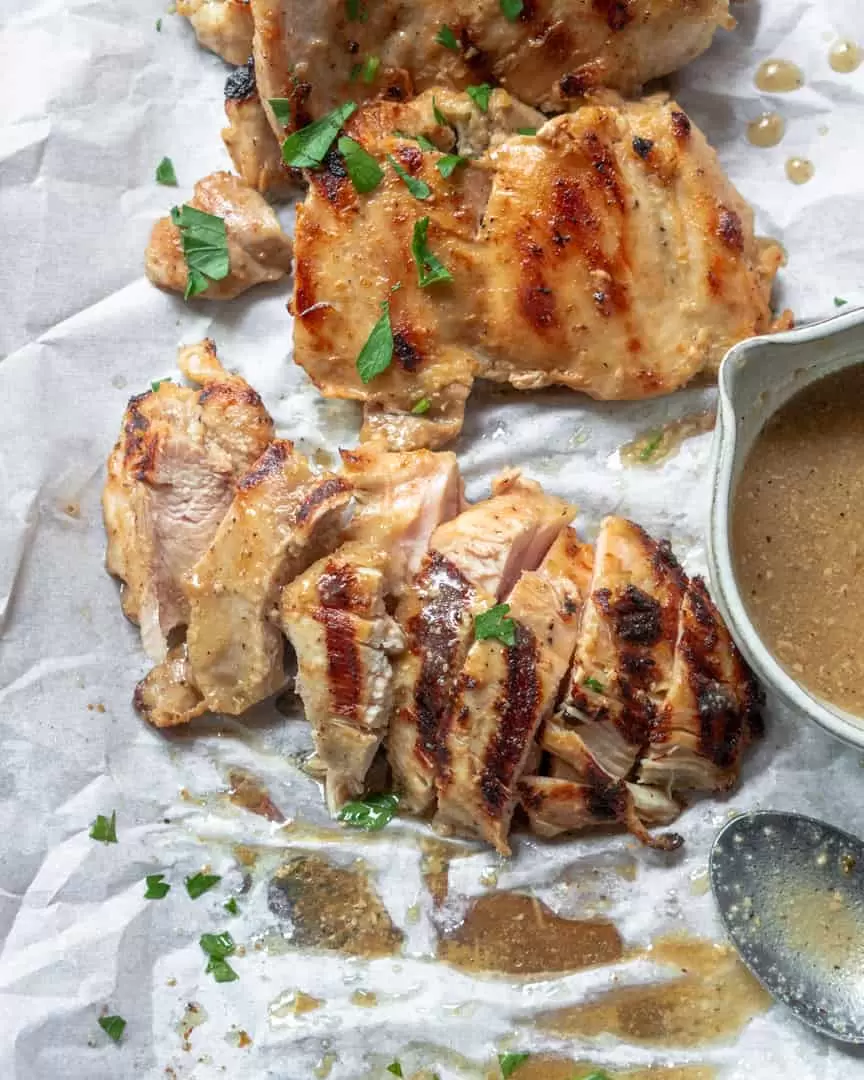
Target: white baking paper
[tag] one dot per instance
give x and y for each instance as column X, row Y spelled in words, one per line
column 92, row 98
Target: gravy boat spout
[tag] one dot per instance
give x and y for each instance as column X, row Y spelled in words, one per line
column 756, row 378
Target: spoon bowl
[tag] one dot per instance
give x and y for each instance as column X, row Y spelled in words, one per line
column 790, row 891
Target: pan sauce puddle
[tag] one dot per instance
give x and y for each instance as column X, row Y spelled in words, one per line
column 551, row 1068
column 658, row 444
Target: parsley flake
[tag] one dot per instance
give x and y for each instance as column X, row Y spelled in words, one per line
column 395, row 1068
column 230, row 906
column 198, row 884
column 158, row 26
column 418, row 188
column 495, row 624
column 377, row 354
column 447, row 38
column 430, row 269
column 281, row 109
column 439, row 116
column 154, row 386
column 355, row 12
column 113, row 1026
column 840, row 302
column 165, row 173
column 509, row 1063
column 205, row 248
column 218, row 947
column 370, row 813
column 526, row 131
column 421, row 140
column 480, row 95
column 307, row 148
column 156, row 887
column 650, row 447
column 511, row 10
column 448, row 164
column 593, row 684
column 105, row 829
column 420, row 407
column 363, row 170
column 370, row 69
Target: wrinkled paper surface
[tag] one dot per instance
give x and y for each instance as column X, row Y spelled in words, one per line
column 93, row 97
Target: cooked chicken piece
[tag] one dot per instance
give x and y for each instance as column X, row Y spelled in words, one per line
column 711, row 712
column 309, row 53
column 505, row 692
column 623, row 661
column 170, row 481
column 400, row 499
column 334, row 616
column 258, row 250
column 223, row 26
column 167, row 696
column 249, row 139
column 474, row 560
column 281, row 520
column 609, row 254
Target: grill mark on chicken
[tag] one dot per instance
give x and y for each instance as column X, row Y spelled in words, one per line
column 517, row 710
column 642, row 147
column 616, row 12
column 605, row 174
column 240, row 84
column 344, row 666
column 139, row 450
column 337, row 586
column 635, row 615
column 730, row 229
column 322, row 493
column 536, row 299
column 407, row 354
column 681, row 125
column 577, row 83
column 410, row 158
column 269, row 464
column 228, row 393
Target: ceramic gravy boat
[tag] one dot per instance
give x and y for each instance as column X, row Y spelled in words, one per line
column 756, row 378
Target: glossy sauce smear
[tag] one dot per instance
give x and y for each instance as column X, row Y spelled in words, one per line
column 798, row 537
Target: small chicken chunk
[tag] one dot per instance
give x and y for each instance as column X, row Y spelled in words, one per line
column 249, row 139
column 223, row 26
column 258, row 250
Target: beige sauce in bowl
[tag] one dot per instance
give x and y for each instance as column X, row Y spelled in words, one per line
column 798, row 537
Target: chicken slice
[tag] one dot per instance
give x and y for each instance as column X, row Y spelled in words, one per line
column 711, row 712
column 167, row 695
column 249, row 139
column 258, row 250
column 474, row 560
column 334, row 616
column 223, row 26
column 551, row 52
column 623, row 660
column 281, row 520
column 400, row 499
column 505, row 692
column 609, row 253
column 170, row 481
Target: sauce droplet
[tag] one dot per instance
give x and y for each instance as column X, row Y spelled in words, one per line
column 779, row 77
column 766, row 130
column 845, row 56
column 799, row 170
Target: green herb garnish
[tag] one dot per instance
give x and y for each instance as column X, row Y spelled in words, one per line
column 198, row 884
column 439, row 116
column 596, row 1076
column 205, row 248
column 158, row 26
column 593, row 684
column 113, row 1026
column 370, row 813
column 218, row 947
column 377, row 354
column 495, row 624
column 480, row 95
column 650, row 447
column 230, row 906
column 395, row 1068
column 430, row 269
column 105, row 829
column 840, row 302
column 509, row 1063
column 154, row 386
column 421, row 140
column 447, row 38
column 156, row 887
column 448, row 164
column 281, row 109
column 307, row 148
column 418, row 188
column 420, row 407
column 526, row 131
column 369, row 69
column 511, row 10
column 363, row 170
column 355, row 12
column 165, row 173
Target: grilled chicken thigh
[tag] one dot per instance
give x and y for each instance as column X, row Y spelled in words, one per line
column 258, row 250
column 473, row 561
column 170, row 481
column 223, row 26
column 608, row 253
column 505, row 692
column 309, row 53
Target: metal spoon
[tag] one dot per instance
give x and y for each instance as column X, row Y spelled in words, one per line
column 790, row 891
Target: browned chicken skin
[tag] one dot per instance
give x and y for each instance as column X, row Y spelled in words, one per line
column 608, row 253
column 223, row 26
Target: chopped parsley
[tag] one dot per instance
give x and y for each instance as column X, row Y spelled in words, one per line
column 113, row 1026
column 363, row 170
column 370, row 813
column 650, row 447
column 395, row 1068
column 509, row 1063
column 597, row 1075
column 366, row 71
column 165, row 173
column 307, row 148
column 439, row 116
column 495, row 624
column 840, row 302
column 447, row 38
column 421, row 140
column 281, row 109
column 205, row 248
column 480, row 95
column 154, row 386
column 218, row 947
column 448, row 164
column 158, row 26
column 511, row 10
column 156, row 887
column 198, row 884
column 593, row 684
column 355, row 12
column 377, row 354
column 230, row 906
column 430, row 269
column 526, row 131
column 420, row 407
column 105, row 829
column 418, row 188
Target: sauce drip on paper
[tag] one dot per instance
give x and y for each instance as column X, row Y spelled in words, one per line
column 766, row 130
column 778, row 77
